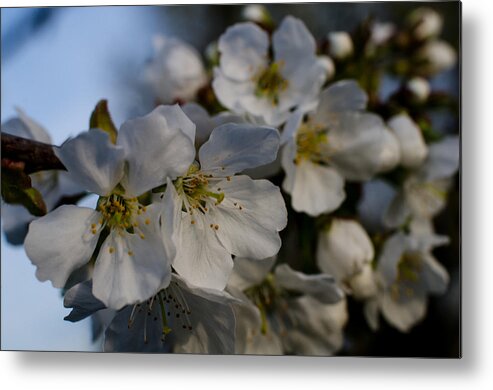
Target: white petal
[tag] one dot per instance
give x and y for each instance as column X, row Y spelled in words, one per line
column 24, row 126
column 371, row 312
column 403, row 315
column 291, row 127
column 412, row 144
column 343, row 250
column 249, row 272
column 61, row 241
column 292, row 43
column 158, row 145
column 389, row 258
column 243, row 49
column 317, row 329
column 363, row 285
column 232, row 148
column 344, row 95
column 93, row 160
column 212, row 320
column 130, row 269
column 322, row 287
column 82, row 302
column 443, row 160
column 435, row 275
column 200, row 257
column 250, row 217
column 316, row 189
column 397, row 212
column 361, row 145
column 230, row 93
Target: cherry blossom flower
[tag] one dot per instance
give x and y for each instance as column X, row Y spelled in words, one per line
column 133, row 259
column 273, row 321
column 424, row 192
column 179, row 318
column 407, row 273
column 338, row 141
column 218, row 214
column 248, row 83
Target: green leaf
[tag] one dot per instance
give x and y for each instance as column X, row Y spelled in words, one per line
column 101, row 119
column 16, row 189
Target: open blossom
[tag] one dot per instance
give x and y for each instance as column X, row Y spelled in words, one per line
column 218, row 214
column 52, row 185
column 407, row 273
column 176, row 72
column 179, row 318
column 276, row 322
column 336, row 142
column 249, row 83
column 133, row 260
column 345, row 251
column 424, row 192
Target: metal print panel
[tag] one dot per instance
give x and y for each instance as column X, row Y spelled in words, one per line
column 232, row 179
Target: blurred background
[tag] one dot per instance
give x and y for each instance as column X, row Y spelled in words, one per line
column 57, row 63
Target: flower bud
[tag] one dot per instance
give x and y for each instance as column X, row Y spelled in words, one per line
column 344, row 249
column 340, row 44
column 381, row 33
column 419, row 88
column 363, row 285
column 256, row 13
column 328, row 65
column 425, row 23
column 411, row 142
column 436, row 57
column 176, row 72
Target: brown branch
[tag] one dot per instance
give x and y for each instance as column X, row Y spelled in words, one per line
column 36, row 156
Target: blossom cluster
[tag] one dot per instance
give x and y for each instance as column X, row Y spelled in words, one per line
column 226, row 219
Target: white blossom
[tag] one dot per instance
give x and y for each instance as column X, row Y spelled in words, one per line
column 424, row 191
column 425, row 23
column 407, row 273
column 336, row 142
column 436, row 56
column 249, row 83
column 133, row 260
column 176, row 72
column 419, row 88
column 218, row 214
column 340, row 44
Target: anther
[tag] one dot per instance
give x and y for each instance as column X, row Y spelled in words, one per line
column 111, row 249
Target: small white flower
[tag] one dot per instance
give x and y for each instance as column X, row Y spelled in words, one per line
column 270, row 320
column 436, row 56
column 249, row 83
column 344, row 251
column 424, row 191
column 419, row 88
column 338, row 141
column 411, row 142
column 218, row 214
column 179, row 317
column 408, row 273
column 340, row 44
column 425, row 23
column 256, row 13
column 52, row 185
column 133, row 261
column 176, row 71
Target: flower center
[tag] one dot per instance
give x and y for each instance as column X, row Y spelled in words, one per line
column 408, row 270
column 311, row 144
column 264, row 296
column 197, row 190
column 118, row 211
column 169, row 307
column 270, row 83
